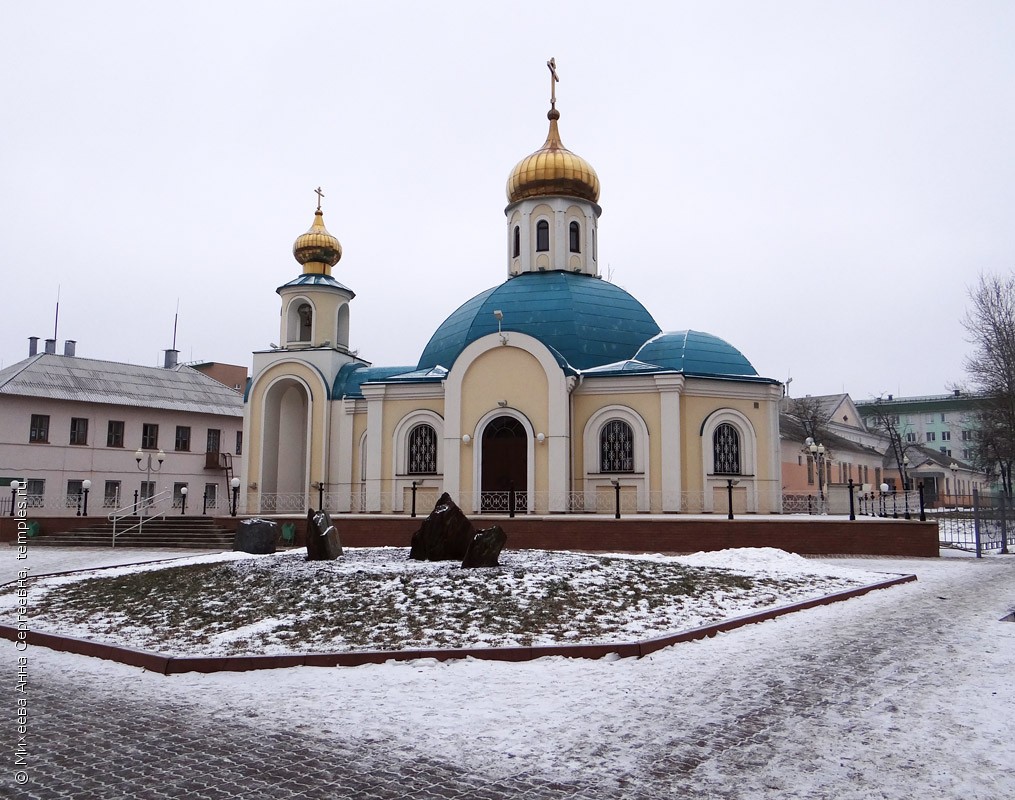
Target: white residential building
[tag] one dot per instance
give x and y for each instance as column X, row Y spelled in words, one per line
column 66, row 420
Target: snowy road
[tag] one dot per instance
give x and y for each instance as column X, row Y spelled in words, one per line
column 899, row 694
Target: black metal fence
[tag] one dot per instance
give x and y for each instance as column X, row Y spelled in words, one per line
column 983, row 524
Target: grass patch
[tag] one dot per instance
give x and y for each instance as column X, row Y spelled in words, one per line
column 377, row 599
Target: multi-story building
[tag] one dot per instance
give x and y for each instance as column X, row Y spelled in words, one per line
column 68, row 424
column 946, row 423
column 940, row 431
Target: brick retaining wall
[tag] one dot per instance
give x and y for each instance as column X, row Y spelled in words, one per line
column 795, row 534
column 803, row 535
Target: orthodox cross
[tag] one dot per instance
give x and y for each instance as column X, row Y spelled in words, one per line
column 554, row 79
column 319, row 194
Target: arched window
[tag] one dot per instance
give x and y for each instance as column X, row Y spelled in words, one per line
column 516, row 247
column 306, row 315
column 422, row 450
column 616, row 447
column 542, row 236
column 726, row 450
column 575, row 235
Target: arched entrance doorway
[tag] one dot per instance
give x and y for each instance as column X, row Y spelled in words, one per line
column 504, row 466
column 285, row 467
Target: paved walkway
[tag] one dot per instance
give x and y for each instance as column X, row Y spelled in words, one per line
column 894, row 695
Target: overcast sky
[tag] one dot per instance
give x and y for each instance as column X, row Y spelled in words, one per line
column 817, row 183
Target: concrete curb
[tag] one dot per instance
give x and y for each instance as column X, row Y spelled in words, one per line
column 169, row 665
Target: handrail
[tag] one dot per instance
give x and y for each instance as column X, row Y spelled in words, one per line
column 149, row 504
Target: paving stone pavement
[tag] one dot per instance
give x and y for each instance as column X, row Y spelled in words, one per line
column 822, row 715
column 90, row 743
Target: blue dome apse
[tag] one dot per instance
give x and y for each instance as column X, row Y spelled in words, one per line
column 696, row 353
column 587, row 321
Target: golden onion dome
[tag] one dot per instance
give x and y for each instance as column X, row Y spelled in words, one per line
column 317, row 246
column 553, row 169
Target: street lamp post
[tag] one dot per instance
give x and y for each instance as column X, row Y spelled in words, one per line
column 149, row 468
column 905, row 485
column 86, row 487
column 884, row 490
column 235, row 484
column 955, row 471
column 183, row 503
column 817, row 453
column 730, row 483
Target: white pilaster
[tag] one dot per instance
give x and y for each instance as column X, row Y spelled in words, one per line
column 374, row 396
column 670, row 387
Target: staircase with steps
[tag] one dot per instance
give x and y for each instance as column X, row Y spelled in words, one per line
column 183, row 532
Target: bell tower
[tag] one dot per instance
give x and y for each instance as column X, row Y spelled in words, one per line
column 553, row 211
column 315, row 306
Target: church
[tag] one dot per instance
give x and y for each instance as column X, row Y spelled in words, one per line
column 553, row 392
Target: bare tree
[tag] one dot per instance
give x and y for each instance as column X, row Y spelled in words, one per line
column 808, row 412
column 990, row 324
column 886, row 421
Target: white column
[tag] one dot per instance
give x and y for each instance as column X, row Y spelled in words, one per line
column 560, row 235
column 375, row 431
column 670, row 387
column 343, row 450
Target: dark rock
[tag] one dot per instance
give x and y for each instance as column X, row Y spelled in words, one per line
column 323, row 543
column 485, row 547
column 256, row 536
column 444, row 535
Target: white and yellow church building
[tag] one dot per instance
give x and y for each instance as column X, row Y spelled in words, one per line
column 549, row 392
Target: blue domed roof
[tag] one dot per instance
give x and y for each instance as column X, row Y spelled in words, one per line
column 588, row 322
column 696, row 353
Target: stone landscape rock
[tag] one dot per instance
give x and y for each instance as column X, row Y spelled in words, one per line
column 323, row 543
column 445, row 534
column 256, row 536
column 484, row 549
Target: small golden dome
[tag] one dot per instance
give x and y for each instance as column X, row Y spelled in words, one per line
column 553, row 169
column 317, row 246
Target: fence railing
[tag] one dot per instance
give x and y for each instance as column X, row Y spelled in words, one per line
column 361, row 500
column 145, row 509
column 835, row 500
column 986, row 525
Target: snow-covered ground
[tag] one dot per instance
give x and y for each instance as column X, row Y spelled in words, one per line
column 902, row 693
column 378, row 599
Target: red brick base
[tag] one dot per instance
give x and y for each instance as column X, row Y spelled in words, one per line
column 803, row 535
column 794, row 534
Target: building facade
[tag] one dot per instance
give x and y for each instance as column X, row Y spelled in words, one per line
column 70, row 423
column 552, row 392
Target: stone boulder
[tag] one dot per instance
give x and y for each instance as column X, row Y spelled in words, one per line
column 323, row 543
column 484, row 548
column 256, row 536
column 445, row 534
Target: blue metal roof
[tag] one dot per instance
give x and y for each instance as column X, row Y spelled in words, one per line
column 354, row 374
column 696, row 353
column 315, row 279
column 585, row 321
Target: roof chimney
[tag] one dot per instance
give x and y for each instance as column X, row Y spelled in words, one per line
column 69, row 347
column 33, row 346
column 171, row 357
column 51, row 346
column 890, row 397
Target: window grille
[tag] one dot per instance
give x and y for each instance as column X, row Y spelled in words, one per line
column 422, row 450
column 616, row 447
column 726, row 450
